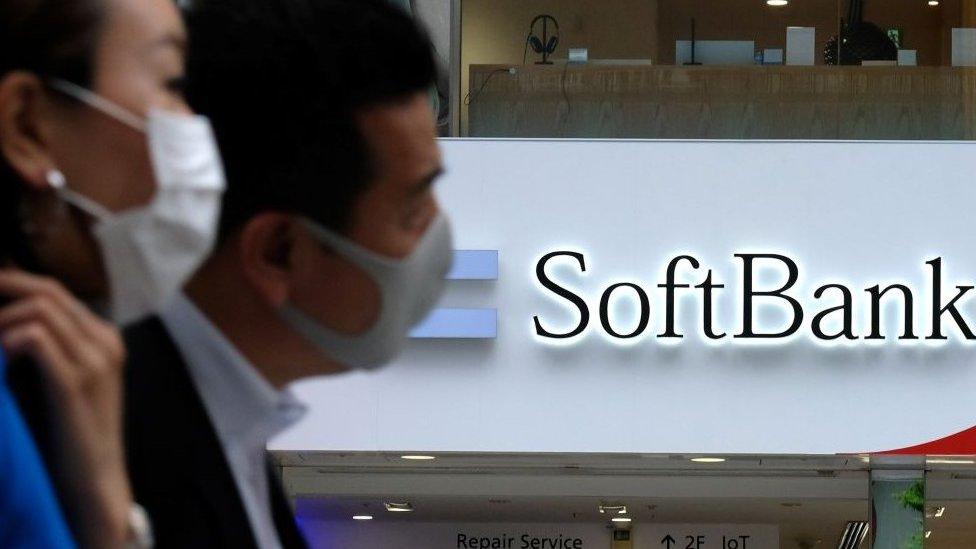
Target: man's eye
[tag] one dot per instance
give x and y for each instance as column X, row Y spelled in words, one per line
column 177, row 85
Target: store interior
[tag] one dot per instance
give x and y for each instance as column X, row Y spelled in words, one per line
column 808, row 501
column 778, row 69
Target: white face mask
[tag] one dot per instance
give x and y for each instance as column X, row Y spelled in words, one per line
column 409, row 289
column 150, row 251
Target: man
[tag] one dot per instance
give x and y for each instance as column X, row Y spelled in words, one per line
column 331, row 247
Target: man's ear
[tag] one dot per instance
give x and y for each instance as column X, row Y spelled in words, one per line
column 265, row 245
column 23, row 143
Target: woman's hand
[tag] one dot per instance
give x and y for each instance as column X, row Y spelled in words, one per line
column 81, row 358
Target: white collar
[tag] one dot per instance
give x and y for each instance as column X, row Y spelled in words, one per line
column 244, row 407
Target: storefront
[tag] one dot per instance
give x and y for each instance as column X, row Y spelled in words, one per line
column 754, row 328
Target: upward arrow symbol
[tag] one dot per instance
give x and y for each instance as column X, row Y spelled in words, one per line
column 667, row 540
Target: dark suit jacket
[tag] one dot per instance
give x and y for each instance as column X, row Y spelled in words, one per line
column 178, row 468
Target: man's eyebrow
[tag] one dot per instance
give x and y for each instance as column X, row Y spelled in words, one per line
column 425, row 183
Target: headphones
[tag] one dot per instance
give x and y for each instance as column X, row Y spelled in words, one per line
column 547, row 44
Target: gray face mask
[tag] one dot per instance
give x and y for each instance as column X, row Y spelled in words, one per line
column 409, row 289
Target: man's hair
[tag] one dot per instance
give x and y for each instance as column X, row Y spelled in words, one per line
column 282, row 82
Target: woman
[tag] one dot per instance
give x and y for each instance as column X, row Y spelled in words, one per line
column 109, row 191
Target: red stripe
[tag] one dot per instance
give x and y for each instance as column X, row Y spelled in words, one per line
column 962, row 443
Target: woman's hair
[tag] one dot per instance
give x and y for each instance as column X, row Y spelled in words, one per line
column 50, row 38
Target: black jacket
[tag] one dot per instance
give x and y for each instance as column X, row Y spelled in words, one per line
column 178, row 469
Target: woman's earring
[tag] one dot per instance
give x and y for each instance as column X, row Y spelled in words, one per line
column 55, row 179
column 58, row 182
column 29, row 208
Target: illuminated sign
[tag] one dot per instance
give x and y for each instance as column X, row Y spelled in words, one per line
column 827, row 312
column 681, row 297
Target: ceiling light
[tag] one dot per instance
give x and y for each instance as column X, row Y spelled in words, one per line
column 362, row 517
column 777, row 2
column 941, row 461
column 620, row 519
column 613, row 509
column 398, row 507
column 939, row 511
column 417, row 457
column 933, row 3
column 708, row 460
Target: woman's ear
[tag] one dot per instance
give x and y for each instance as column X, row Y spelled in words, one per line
column 22, row 136
column 265, row 245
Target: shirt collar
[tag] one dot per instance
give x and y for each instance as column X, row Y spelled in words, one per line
column 243, row 405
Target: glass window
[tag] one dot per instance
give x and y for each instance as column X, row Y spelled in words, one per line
column 700, row 69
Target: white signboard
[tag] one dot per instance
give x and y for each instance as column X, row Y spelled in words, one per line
column 964, row 47
column 708, row 536
column 800, row 45
column 693, row 297
column 409, row 535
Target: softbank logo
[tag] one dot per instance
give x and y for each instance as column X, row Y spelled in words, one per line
column 830, row 311
column 451, row 323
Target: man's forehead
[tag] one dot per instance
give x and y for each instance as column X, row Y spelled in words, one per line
column 402, row 138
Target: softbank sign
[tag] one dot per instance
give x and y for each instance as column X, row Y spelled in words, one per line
column 832, row 311
column 668, row 297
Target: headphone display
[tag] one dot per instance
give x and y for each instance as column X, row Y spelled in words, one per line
column 545, row 45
